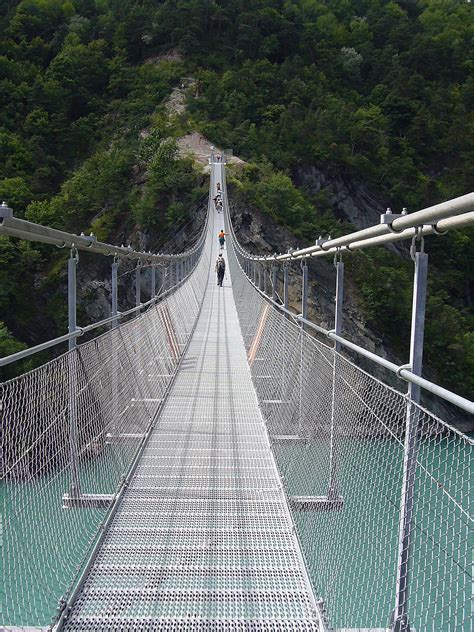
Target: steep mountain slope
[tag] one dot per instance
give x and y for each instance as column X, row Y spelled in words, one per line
column 340, row 108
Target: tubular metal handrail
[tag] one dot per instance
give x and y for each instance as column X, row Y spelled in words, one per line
column 14, row 227
column 438, row 219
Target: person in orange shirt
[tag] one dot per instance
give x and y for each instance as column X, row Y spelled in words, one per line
column 221, row 238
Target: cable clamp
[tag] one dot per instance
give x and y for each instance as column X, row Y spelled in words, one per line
column 323, row 242
column 74, row 253
column 437, row 231
column 5, row 211
column 418, row 236
column 403, row 367
column 388, row 218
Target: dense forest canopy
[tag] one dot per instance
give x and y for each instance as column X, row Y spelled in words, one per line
column 381, row 90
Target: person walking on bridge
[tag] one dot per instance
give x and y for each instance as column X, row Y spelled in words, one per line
column 220, row 269
column 217, row 201
column 221, row 238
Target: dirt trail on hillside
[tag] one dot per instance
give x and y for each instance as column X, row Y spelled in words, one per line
column 199, row 147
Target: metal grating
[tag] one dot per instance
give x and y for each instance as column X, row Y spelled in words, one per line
column 203, row 538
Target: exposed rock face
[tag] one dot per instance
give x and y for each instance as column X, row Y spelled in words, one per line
column 176, row 103
column 94, row 285
column 351, row 200
column 200, row 148
column 258, row 233
column 172, row 55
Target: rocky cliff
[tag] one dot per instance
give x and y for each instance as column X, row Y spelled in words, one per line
column 260, row 234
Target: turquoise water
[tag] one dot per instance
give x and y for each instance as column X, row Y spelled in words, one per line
column 351, row 554
column 43, row 544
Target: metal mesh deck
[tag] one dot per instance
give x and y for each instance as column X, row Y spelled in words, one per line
column 203, row 538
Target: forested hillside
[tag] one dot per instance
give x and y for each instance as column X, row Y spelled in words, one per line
column 379, row 91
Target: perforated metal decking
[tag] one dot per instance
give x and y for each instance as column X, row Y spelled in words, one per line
column 203, row 538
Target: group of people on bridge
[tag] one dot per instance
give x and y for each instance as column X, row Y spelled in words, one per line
column 218, row 199
column 220, row 263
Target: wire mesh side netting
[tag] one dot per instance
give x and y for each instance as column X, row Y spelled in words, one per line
column 338, row 434
column 73, row 428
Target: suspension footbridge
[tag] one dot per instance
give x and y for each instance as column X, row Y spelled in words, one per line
column 208, row 464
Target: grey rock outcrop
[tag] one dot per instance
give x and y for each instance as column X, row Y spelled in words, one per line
column 350, row 199
column 259, row 233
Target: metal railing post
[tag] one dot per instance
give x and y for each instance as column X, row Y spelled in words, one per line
column 274, row 282
column 254, row 273
column 172, row 274
column 114, row 292
column 75, row 489
column 304, row 291
column 71, row 296
column 332, row 488
column 153, row 281
column 165, row 281
column 138, row 283
column 115, row 368
column 400, row 615
column 339, row 302
column 285, row 286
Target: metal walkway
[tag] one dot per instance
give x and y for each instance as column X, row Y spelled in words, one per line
column 203, row 538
